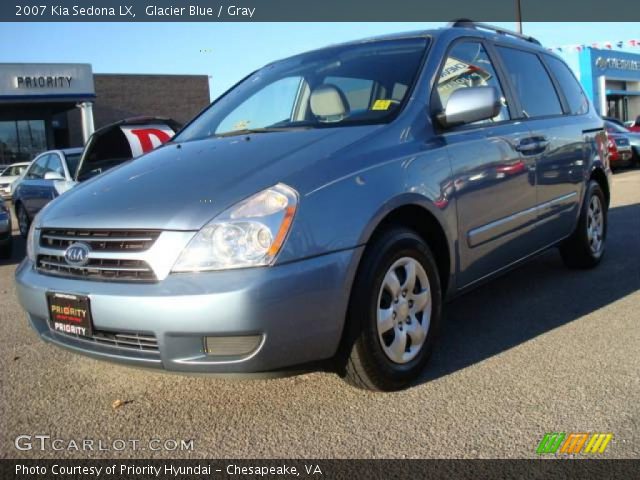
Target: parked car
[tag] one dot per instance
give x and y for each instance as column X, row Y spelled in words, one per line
column 623, row 144
column 635, row 127
column 6, row 240
column 615, row 121
column 325, row 208
column 49, row 175
column 122, row 141
column 9, row 176
column 57, row 171
column 634, row 140
column 16, row 182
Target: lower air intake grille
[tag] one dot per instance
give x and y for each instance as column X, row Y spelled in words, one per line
column 146, row 342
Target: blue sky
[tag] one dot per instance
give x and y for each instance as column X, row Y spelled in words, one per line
column 228, row 51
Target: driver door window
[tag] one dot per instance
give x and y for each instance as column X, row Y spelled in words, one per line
column 468, row 65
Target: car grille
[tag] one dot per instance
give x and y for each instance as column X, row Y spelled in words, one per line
column 146, row 342
column 97, row 269
column 105, row 263
column 100, row 240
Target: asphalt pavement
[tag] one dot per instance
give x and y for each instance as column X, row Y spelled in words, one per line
column 541, row 349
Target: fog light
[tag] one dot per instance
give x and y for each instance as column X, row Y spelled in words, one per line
column 231, row 346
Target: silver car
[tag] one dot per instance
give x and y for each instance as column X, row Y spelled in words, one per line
column 330, row 203
column 9, row 176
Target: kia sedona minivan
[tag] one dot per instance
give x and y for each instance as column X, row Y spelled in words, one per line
column 330, row 203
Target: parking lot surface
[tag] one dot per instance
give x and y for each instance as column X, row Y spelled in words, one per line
column 541, row 349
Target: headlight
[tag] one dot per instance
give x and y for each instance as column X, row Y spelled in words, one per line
column 249, row 234
column 31, row 242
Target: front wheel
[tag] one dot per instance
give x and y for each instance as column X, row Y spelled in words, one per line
column 394, row 312
column 585, row 247
column 23, row 220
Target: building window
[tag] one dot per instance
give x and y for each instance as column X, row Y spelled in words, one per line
column 21, row 140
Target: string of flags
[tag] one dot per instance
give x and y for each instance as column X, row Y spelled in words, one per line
column 633, row 43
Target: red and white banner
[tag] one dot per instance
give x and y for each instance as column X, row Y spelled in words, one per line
column 144, row 138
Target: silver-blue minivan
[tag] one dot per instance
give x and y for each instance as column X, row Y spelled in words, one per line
column 323, row 209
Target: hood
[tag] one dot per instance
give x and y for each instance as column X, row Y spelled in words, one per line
column 182, row 186
column 8, row 179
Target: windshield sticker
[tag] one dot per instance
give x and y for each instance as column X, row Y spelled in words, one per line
column 381, row 105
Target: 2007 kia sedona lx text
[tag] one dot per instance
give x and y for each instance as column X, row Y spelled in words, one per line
column 329, row 204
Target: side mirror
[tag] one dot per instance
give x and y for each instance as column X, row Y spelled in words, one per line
column 468, row 105
column 53, row 176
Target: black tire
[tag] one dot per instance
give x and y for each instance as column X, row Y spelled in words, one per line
column 367, row 365
column 23, row 223
column 6, row 251
column 577, row 251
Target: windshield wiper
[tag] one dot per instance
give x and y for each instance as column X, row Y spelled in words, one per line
column 247, row 131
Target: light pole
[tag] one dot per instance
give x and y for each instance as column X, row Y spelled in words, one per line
column 518, row 16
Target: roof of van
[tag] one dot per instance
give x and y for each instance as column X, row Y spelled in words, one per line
column 459, row 28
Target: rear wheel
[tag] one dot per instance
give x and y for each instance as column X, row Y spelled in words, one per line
column 394, row 312
column 585, row 247
column 23, row 220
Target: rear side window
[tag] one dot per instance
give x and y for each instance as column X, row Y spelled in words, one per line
column 72, row 163
column 531, row 81
column 571, row 88
column 55, row 165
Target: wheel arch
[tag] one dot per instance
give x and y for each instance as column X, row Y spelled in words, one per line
column 414, row 212
column 598, row 174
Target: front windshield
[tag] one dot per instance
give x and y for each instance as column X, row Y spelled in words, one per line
column 14, row 171
column 345, row 85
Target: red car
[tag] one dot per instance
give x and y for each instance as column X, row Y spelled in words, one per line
column 636, row 126
column 619, row 149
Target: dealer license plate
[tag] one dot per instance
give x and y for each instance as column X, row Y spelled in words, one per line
column 70, row 314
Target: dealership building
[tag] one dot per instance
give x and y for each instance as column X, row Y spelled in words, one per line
column 612, row 80
column 54, row 105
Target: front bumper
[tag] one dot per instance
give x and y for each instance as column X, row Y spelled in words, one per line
column 298, row 308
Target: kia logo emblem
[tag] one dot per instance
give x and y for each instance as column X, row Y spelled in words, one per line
column 77, row 254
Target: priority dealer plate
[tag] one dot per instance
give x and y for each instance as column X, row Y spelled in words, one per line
column 70, row 314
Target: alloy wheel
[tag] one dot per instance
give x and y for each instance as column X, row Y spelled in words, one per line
column 23, row 221
column 595, row 225
column 404, row 310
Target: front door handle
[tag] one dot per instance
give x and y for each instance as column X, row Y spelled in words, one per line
column 528, row 146
column 532, row 145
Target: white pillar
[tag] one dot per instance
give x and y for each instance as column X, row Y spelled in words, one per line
column 602, row 90
column 86, row 117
